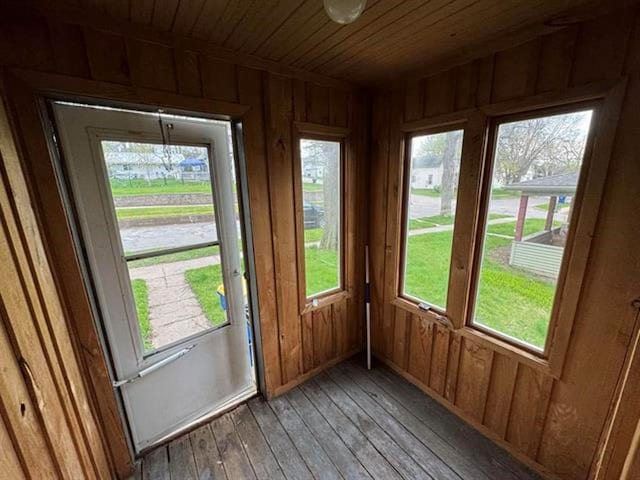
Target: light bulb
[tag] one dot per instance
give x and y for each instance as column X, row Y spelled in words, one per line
column 344, row 11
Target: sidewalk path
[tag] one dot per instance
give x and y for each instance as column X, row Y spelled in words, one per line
column 174, row 310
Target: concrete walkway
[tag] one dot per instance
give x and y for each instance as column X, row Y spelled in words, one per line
column 448, row 228
column 174, row 310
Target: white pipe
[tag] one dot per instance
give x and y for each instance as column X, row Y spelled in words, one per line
column 368, row 304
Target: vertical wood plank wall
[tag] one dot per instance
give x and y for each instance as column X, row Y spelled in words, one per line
column 554, row 423
column 48, row 429
column 294, row 347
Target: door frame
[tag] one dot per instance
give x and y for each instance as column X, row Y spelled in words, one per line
column 28, row 92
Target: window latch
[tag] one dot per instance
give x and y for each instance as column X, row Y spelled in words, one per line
column 443, row 319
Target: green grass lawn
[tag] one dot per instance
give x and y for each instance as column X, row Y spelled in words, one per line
column 425, row 192
column 204, row 282
column 438, row 220
column 510, row 300
column 141, row 298
column 312, row 187
column 322, row 270
column 531, row 225
column 149, row 187
column 312, row 234
column 163, row 211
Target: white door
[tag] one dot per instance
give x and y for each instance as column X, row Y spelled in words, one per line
column 156, row 204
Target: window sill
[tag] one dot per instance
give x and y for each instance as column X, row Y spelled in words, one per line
column 325, row 301
column 413, row 308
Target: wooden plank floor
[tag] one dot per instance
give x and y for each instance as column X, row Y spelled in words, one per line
column 346, row 423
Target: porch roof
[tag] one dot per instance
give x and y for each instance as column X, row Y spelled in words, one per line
column 562, row 184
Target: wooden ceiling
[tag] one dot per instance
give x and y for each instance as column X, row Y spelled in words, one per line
column 392, row 37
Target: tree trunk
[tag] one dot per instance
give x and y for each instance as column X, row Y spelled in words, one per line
column 331, row 194
column 447, row 187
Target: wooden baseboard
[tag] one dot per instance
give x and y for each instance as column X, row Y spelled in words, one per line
column 311, row 373
column 539, row 468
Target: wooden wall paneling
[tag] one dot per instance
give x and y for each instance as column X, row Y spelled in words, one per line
column 278, row 102
column 514, row 72
column 394, row 214
column 466, row 85
column 475, row 371
column 38, row 329
column 323, row 345
column 402, row 330
column 338, row 109
column 341, row 327
column 317, row 104
column 352, row 107
column 299, row 100
column 621, row 437
column 453, row 367
column 69, row 49
column 218, row 79
column 414, row 101
column 420, row 348
column 24, row 41
column 107, row 56
column 18, row 412
column 48, row 205
column 485, row 79
column 439, row 93
column 250, row 92
column 308, row 356
column 528, row 410
column 9, row 461
column 151, row 65
column 439, row 359
column 556, row 58
column 500, row 392
column 378, row 224
column 601, row 48
column 188, row 73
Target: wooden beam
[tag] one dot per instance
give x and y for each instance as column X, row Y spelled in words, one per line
column 522, row 214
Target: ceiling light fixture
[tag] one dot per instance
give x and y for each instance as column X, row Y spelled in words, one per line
column 344, row 11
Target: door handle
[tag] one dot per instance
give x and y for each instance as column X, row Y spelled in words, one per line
column 156, row 366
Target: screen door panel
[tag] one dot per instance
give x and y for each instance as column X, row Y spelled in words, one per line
column 157, row 210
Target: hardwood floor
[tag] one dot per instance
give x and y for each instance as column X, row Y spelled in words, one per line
column 345, row 423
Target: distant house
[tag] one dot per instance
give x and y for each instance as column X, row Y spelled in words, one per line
column 130, row 165
column 194, row 170
column 426, row 171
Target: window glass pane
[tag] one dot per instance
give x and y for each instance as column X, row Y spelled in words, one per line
column 177, row 295
column 162, row 195
column 535, row 175
column 322, row 212
column 433, row 185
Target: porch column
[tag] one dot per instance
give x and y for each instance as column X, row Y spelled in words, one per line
column 548, row 224
column 522, row 213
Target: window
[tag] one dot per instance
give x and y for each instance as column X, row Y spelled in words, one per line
column 321, row 182
column 430, row 206
column 536, row 163
column 167, row 228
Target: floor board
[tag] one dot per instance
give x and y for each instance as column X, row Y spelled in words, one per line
column 345, row 423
